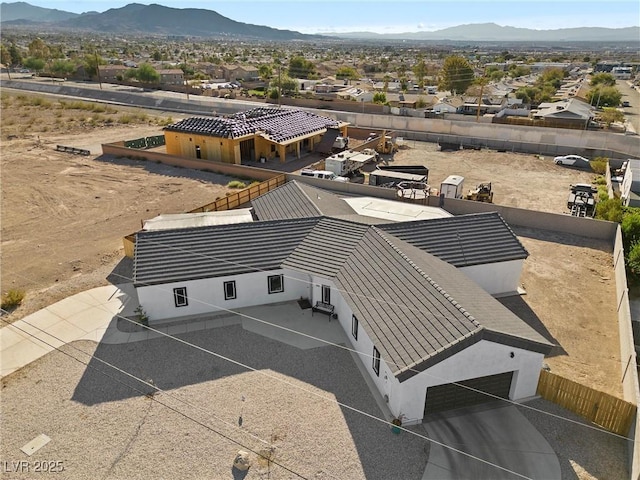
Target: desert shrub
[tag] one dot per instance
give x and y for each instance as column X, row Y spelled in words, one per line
column 630, row 226
column 236, row 184
column 599, row 165
column 125, row 119
column 609, row 209
column 633, row 263
column 600, row 180
column 12, row 299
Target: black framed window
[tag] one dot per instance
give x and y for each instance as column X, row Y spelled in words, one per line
column 276, row 283
column 354, row 326
column 180, row 296
column 376, row 361
column 230, row 290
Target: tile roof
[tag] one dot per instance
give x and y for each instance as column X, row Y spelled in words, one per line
column 277, row 124
column 463, row 240
column 285, row 202
column 166, row 256
column 416, row 308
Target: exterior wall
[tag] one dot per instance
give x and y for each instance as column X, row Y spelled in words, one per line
column 207, row 295
column 211, row 148
column 479, row 360
column 496, row 278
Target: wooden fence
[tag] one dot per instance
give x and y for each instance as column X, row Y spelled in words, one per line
column 232, row 200
column 607, row 411
column 235, row 199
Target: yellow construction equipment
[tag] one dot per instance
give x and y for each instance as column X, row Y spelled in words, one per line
column 386, row 145
column 482, row 193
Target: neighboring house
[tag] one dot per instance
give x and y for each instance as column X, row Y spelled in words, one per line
column 238, row 72
column 112, row 73
column 171, row 76
column 630, row 187
column 569, row 110
column 248, row 136
column 419, row 323
column 448, row 105
column 488, row 104
column 354, row 93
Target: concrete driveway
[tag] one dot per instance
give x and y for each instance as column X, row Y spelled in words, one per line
column 494, row 432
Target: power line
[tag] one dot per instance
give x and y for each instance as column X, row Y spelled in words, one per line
column 151, row 397
column 272, row 377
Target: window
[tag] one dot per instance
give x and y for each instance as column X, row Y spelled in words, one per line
column 376, row 361
column 354, row 326
column 276, row 285
column 230, row 290
column 180, row 296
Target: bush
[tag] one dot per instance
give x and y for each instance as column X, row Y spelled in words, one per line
column 599, row 165
column 12, row 299
column 236, row 184
column 630, row 226
column 609, row 209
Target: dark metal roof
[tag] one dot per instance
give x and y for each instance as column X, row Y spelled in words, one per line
column 463, row 240
column 188, row 254
column 278, row 124
column 285, row 202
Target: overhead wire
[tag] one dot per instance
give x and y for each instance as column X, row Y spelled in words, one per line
column 273, row 377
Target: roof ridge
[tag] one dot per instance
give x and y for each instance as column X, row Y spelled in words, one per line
column 438, row 288
column 297, row 185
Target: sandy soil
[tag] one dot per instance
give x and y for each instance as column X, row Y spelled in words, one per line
column 64, row 216
column 568, row 279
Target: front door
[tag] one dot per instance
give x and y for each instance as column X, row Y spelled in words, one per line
column 326, row 294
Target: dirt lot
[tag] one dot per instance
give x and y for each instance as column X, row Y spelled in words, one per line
column 64, row 215
column 568, row 279
column 63, row 218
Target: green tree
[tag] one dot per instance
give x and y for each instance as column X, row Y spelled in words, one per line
column 420, row 71
column 551, row 77
column 147, row 74
column 286, row 84
column 299, row 67
column 604, row 96
column 33, row 63
column 518, row 70
column 63, row 68
column 91, row 62
column 609, row 209
column 39, row 49
column 16, row 54
column 347, row 73
column 265, row 71
column 456, row 75
column 633, row 261
column 5, row 56
column 630, row 227
column 610, row 115
column 380, row 97
column 604, row 79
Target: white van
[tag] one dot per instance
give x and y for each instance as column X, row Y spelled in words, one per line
column 324, row 174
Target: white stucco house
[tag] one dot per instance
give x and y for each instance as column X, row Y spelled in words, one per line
column 630, row 187
column 421, row 325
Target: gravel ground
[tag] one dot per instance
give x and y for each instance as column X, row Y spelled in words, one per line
column 584, row 453
column 101, row 427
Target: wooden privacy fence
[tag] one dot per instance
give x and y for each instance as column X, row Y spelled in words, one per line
column 229, row 202
column 611, row 413
column 234, row 200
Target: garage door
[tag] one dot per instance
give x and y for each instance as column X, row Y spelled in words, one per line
column 450, row 396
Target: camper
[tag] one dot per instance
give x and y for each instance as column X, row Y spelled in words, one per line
column 388, row 178
column 452, row 187
column 324, row 174
column 348, row 162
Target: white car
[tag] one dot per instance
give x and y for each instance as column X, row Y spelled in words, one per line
column 572, row 161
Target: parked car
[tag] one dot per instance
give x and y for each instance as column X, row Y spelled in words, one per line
column 572, row 161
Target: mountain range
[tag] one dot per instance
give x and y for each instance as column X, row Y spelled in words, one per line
column 160, row 20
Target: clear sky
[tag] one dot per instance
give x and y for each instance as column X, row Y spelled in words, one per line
column 389, row 16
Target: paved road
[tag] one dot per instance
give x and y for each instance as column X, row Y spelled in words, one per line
column 632, row 96
column 496, row 433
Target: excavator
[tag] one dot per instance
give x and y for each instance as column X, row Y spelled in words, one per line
column 482, row 193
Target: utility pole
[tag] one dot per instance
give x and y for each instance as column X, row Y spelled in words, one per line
column 482, row 82
column 98, row 68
